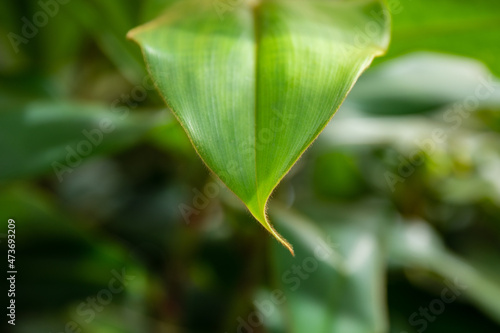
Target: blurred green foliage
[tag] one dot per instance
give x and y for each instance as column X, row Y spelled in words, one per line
column 394, row 210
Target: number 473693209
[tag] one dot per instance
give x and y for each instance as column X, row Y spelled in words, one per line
column 11, row 240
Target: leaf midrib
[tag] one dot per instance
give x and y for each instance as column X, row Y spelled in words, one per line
column 255, row 13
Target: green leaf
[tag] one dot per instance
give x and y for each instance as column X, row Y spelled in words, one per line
column 119, row 17
column 421, row 82
column 345, row 258
column 253, row 85
column 468, row 28
column 416, row 244
column 41, row 136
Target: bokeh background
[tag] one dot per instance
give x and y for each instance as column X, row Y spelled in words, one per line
column 394, row 211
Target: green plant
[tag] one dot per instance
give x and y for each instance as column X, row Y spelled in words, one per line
column 393, row 212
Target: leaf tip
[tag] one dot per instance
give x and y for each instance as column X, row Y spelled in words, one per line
column 264, row 220
column 283, row 241
column 131, row 34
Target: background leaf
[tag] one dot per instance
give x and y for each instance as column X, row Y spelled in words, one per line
column 76, row 132
column 351, row 298
column 458, row 27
